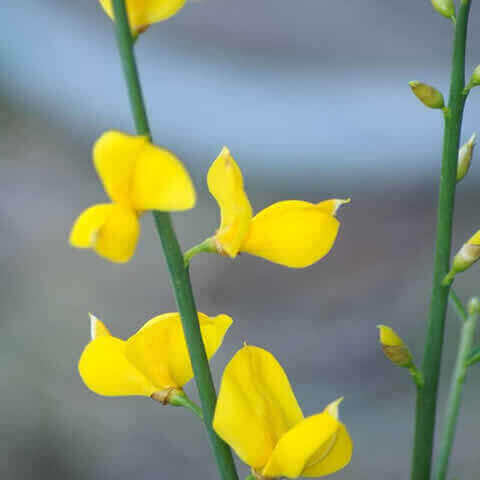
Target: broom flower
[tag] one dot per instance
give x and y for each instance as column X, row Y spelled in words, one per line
column 137, row 176
column 257, row 414
column 151, row 363
column 292, row 233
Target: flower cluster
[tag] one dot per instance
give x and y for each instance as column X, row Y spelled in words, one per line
column 257, row 413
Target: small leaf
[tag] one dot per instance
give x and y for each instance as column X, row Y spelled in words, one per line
column 474, row 356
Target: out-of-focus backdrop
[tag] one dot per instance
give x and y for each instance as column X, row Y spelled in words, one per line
column 312, row 99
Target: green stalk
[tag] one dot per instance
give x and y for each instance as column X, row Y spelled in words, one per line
column 455, row 396
column 458, row 306
column 179, row 274
column 427, row 395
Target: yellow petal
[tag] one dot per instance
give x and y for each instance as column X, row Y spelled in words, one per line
column 338, row 456
column 475, row 239
column 389, row 338
column 106, row 371
column 117, row 238
column 85, row 229
column 97, row 328
column 142, row 13
column 160, row 352
column 161, row 182
column 111, row 230
column 255, row 406
column 316, row 446
column 225, row 183
column 115, row 155
column 292, row 233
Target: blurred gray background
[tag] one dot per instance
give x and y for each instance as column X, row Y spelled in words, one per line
column 312, row 99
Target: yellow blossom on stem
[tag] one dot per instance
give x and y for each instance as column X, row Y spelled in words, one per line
column 137, row 176
column 151, row 363
column 142, row 13
column 257, row 414
column 292, row 233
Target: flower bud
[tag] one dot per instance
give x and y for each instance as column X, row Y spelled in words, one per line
column 465, row 258
column 444, row 7
column 394, row 347
column 465, row 157
column 475, row 78
column 428, row 95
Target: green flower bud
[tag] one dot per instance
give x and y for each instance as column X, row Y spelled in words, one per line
column 428, row 95
column 465, row 157
column 444, row 7
column 465, row 258
column 475, row 78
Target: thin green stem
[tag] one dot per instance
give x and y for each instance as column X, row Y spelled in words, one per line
column 416, row 375
column 427, row 396
column 458, row 306
column 184, row 401
column 207, row 246
column 455, row 396
column 179, row 275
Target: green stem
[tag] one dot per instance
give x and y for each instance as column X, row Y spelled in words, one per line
column 207, row 246
column 178, row 273
column 184, row 401
column 458, row 305
column 427, row 396
column 455, row 396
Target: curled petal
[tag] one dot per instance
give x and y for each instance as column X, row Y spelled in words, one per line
column 255, row 406
column 315, row 447
column 160, row 352
column 110, row 229
column 225, row 183
column 142, row 13
column 105, row 369
column 161, row 182
column 338, row 456
column 85, row 229
column 292, row 233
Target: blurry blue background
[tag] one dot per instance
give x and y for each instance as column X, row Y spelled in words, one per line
column 312, row 99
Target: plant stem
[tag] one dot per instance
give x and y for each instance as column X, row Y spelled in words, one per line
column 207, row 245
column 427, row 396
column 455, row 395
column 184, row 401
column 458, row 306
column 179, row 275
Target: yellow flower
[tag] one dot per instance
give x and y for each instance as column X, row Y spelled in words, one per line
column 153, row 360
column 258, row 416
column 292, row 233
column 137, row 176
column 142, row 13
